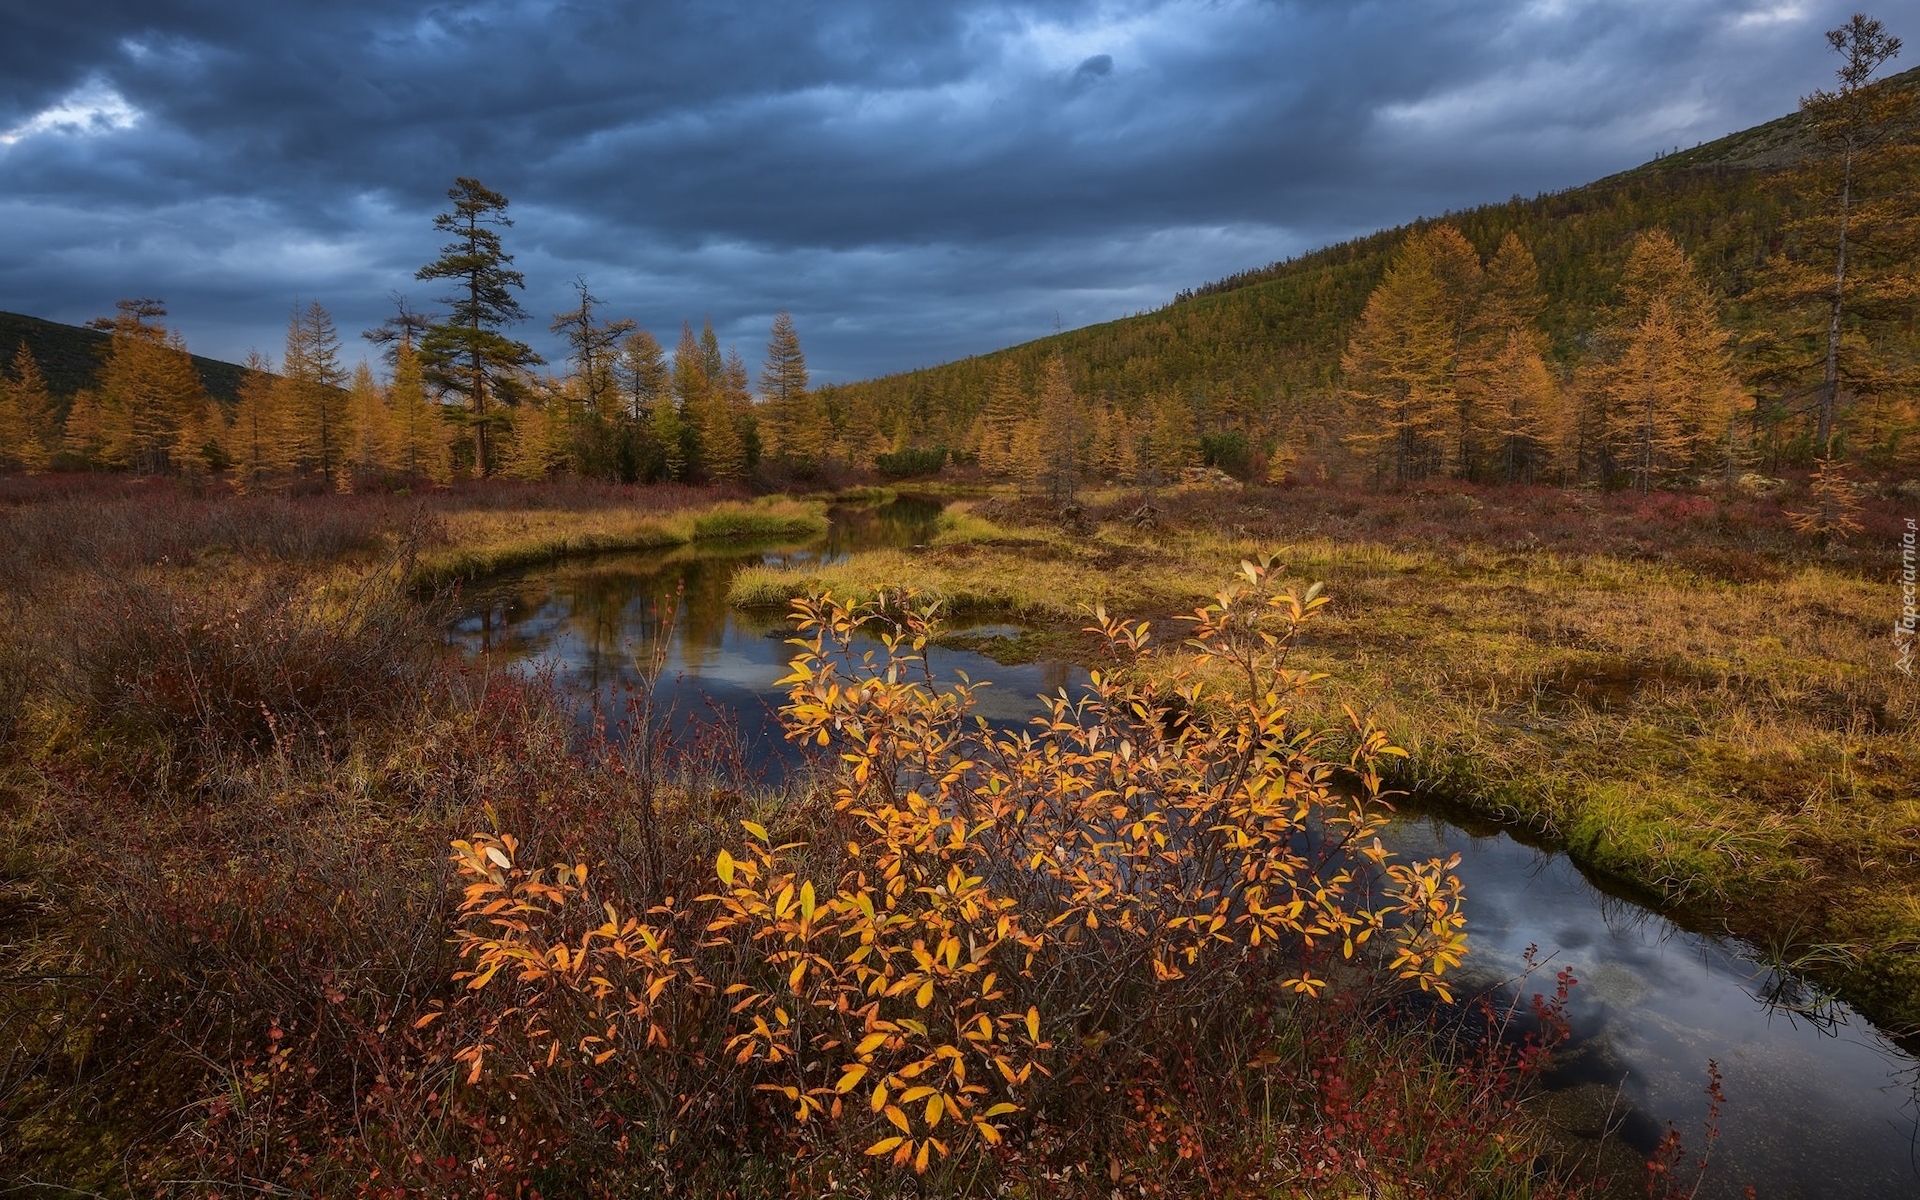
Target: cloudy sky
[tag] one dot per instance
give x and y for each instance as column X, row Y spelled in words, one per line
column 916, row 180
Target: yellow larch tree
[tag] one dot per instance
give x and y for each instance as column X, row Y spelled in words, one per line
column 259, row 442
column 26, row 416
column 1399, row 367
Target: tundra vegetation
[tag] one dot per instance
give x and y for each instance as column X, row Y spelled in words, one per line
column 296, row 900
column 1602, row 486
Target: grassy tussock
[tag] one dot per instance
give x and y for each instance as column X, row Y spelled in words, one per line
column 487, row 542
column 977, row 568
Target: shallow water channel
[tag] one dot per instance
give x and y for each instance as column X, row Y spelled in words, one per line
column 1819, row 1103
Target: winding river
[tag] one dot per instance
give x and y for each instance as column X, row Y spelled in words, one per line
column 1819, row 1102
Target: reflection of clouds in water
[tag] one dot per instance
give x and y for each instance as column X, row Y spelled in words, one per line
column 1808, row 1114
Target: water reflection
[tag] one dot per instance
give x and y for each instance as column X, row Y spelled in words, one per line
column 1815, row 1108
column 597, row 625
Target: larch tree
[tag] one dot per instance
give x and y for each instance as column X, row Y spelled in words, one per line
column 87, row 434
column 370, row 440
column 643, row 374
column 1171, row 445
column 313, row 387
column 467, row 354
column 149, row 389
column 404, row 329
column 723, row 450
column 1523, row 407
column 1399, row 367
column 691, row 384
column 420, row 447
column 26, row 416
column 260, row 441
column 1643, row 416
column 1062, row 426
column 783, row 383
column 1462, row 280
column 1847, row 264
column 1006, row 407
column 593, row 351
column 1663, row 346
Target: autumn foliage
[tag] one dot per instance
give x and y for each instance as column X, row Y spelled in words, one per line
column 968, row 927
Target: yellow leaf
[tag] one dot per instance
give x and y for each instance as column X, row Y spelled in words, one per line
column 725, row 866
column 936, row 1109
column 755, row 828
column 884, row 1145
column 898, row 1118
column 848, row 1081
column 806, row 901
column 924, row 996
column 1033, row 1023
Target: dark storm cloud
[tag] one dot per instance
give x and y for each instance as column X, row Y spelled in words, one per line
column 915, row 182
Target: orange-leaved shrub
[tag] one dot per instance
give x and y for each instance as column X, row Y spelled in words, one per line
column 967, row 933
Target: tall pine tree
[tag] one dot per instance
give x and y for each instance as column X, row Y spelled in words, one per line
column 467, row 354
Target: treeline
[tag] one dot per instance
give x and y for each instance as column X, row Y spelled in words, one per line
column 460, row 397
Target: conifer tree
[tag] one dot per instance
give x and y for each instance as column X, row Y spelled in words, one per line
column 593, row 350
column 26, row 416
column 1663, row 346
column 1171, row 446
column 419, row 431
column 1847, row 265
column 643, row 373
column 197, row 444
column 370, row 447
column 864, row 439
column 1462, row 288
column 313, row 391
column 783, row 383
column 149, row 389
column 1062, row 429
column 259, row 441
column 1399, row 367
column 540, row 435
column 1007, row 406
column 467, row 354
column 734, row 386
column 1644, row 390
column 1524, row 409
column 86, row 435
column 691, row 384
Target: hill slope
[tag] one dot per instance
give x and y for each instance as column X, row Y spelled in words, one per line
column 70, row 356
column 1275, row 333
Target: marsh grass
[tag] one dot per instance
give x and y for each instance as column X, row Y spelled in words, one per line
column 485, row 542
column 1672, row 686
column 226, row 902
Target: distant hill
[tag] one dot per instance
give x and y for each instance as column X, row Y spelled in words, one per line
column 70, row 356
column 1278, row 331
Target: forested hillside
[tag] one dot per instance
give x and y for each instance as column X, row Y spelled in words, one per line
column 1267, row 344
column 70, row 356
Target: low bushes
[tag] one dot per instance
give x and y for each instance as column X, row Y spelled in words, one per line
column 246, row 663
column 987, row 959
